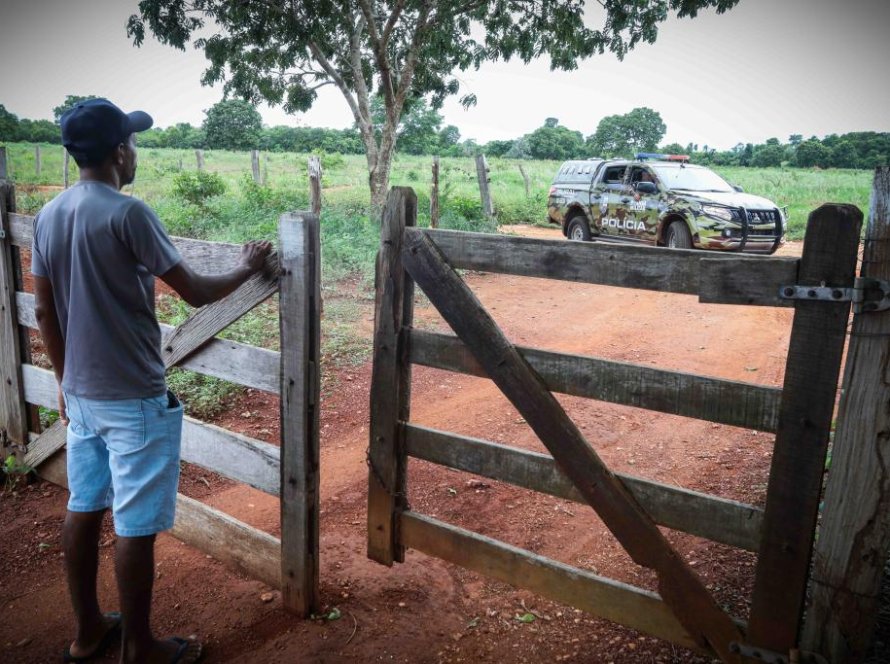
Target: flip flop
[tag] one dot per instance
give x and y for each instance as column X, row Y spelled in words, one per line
column 183, row 648
column 108, row 638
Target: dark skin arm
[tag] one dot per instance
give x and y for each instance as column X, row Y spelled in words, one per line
column 196, row 289
column 51, row 332
column 200, row 289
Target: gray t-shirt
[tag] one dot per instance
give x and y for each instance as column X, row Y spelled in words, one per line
column 100, row 250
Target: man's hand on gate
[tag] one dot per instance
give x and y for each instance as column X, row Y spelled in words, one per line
column 254, row 254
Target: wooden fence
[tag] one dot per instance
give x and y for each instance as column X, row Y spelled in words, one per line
column 289, row 471
column 800, row 414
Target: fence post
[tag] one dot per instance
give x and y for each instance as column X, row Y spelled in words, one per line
column 315, row 185
column 854, row 538
column 38, row 165
column 199, row 157
column 299, row 307
column 255, row 165
column 525, row 179
column 434, row 195
column 65, row 158
column 390, row 375
column 482, row 176
column 13, row 409
column 809, row 391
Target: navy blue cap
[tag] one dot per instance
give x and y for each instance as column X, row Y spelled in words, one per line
column 91, row 129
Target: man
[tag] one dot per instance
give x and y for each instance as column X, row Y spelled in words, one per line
column 95, row 255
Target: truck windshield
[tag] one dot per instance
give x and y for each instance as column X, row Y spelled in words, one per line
column 691, row 179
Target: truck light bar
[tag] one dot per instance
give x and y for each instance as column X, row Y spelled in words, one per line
column 663, row 157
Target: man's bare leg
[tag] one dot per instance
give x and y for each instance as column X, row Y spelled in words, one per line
column 135, row 569
column 80, row 542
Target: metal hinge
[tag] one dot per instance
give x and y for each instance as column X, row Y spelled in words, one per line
column 867, row 295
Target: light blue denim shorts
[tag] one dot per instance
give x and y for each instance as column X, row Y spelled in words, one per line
column 124, row 454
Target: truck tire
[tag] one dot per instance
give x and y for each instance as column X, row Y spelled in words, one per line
column 678, row 236
column 578, row 229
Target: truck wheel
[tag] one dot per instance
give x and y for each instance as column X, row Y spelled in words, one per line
column 578, row 230
column 678, row 236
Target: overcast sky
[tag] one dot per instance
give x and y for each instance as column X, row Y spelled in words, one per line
column 766, row 68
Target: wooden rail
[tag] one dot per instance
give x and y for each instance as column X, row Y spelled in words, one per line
column 715, row 278
column 714, row 518
column 713, row 399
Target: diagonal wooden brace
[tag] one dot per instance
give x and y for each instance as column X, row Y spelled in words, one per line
column 206, row 322
column 680, row 588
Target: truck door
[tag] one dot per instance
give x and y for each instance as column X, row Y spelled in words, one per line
column 638, row 209
column 605, row 199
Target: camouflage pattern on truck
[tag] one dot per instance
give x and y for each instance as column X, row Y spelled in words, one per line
column 661, row 203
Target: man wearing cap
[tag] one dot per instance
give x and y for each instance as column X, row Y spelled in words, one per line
column 95, row 256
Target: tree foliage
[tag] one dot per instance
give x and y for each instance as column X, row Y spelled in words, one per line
column 622, row 135
column 554, row 142
column 70, row 102
column 233, row 124
column 399, row 50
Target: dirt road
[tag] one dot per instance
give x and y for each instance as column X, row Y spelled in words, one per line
column 425, row 610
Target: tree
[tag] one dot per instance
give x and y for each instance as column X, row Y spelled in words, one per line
column 70, row 102
column 233, row 124
column 812, row 153
column 400, row 50
column 844, row 155
column 552, row 142
column 419, row 130
column 768, row 155
column 9, row 126
column 622, row 135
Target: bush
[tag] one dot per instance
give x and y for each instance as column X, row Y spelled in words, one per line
column 197, row 186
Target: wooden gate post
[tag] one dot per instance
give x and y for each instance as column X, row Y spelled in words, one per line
column 13, row 409
column 199, row 158
column 3, row 164
column 808, row 396
column 524, row 179
column 38, row 165
column 482, row 176
column 315, row 185
column 434, row 195
column 65, row 158
column 391, row 375
column 854, row 538
column 255, row 166
column 299, row 300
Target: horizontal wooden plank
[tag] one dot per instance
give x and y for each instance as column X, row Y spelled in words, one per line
column 237, row 545
column 229, row 360
column 712, row 399
column 230, row 454
column 758, row 278
column 47, row 444
column 711, row 517
column 203, row 256
column 600, row 596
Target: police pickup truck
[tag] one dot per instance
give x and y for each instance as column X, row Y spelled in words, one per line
column 661, row 200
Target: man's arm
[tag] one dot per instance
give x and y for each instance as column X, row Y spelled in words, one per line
column 200, row 289
column 51, row 333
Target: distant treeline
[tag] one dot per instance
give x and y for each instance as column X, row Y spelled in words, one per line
column 236, row 125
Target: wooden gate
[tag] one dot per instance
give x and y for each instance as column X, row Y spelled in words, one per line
column 289, row 471
column 799, row 414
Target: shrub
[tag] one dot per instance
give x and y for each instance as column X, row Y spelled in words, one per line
column 197, row 186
